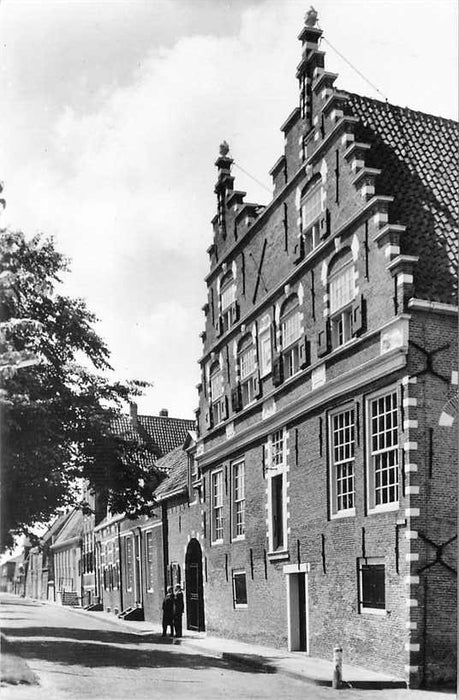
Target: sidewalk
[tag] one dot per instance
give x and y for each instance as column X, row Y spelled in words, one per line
column 296, row 665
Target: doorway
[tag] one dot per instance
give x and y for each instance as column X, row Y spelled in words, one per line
column 194, row 587
column 297, row 606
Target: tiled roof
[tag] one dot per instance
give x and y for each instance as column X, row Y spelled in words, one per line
column 159, row 433
column 73, row 527
column 417, row 154
column 175, row 464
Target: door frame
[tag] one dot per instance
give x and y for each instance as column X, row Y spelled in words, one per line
column 201, row 622
column 291, row 572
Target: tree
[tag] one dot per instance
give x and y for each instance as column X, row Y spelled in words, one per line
column 58, row 404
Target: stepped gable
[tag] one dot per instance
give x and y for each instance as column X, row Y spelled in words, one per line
column 417, row 155
column 159, row 433
column 175, row 464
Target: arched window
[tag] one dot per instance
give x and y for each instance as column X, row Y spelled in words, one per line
column 291, row 336
column 341, row 291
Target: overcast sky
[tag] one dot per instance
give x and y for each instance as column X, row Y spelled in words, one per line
column 112, row 115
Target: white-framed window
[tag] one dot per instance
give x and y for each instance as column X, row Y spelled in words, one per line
column 277, row 483
column 372, row 585
column 291, row 335
column 217, row 505
column 149, row 551
column 264, row 345
column 247, row 371
column 342, row 458
column 239, row 589
column 383, row 437
column 341, row 288
column 311, row 211
column 227, row 300
column 217, row 394
column 129, row 559
column 238, row 493
column 277, row 446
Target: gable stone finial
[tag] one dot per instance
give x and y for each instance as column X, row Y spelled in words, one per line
column 224, row 148
column 311, row 17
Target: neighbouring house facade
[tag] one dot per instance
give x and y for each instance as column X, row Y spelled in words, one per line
column 40, row 583
column 129, row 554
column 13, row 574
column 66, row 552
column 329, row 353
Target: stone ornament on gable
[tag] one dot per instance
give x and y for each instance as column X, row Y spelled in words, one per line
column 224, row 148
column 311, row 17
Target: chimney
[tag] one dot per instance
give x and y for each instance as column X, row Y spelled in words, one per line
column 133, row 413
column 164, row 413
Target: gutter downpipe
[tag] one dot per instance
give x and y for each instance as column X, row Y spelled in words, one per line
column 165, row 535
column 120, row 568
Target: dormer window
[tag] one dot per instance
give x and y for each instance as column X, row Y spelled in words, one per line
column 341, row 288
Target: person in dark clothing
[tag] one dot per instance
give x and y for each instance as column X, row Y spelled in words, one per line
column 168, row 612
column 178, row 610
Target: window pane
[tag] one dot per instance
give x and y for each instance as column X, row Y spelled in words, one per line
column 342, row 288
column 312, row 207
column 228, row 295
column 238, row 500
column 384, row 448
column 343, row 446
column 216, row 386
column 290, row 329
column 247, row 362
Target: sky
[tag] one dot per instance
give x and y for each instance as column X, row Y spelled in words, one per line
column 112, row 114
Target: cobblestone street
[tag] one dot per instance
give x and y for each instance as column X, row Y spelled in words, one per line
column 75, row 655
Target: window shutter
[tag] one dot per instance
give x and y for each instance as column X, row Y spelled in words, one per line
column 219, row 326
column 278, row 369
column 236, row 399
column 305, row 352
column 234, row 313
column 325, row 224
column 257, row 386
column 323, row 341
column 224, row 408
column 299, row 249
column 208, row 419
column 359, row 316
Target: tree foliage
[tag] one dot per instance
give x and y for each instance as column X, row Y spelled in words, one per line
column 58, row 404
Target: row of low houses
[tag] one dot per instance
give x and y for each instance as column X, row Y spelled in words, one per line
column 316, row 503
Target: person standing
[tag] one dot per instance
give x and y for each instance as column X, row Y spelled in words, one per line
column 168, row 612
column 178, row 610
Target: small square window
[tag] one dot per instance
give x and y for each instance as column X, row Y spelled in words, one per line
column 239, row 589
column 372, row 585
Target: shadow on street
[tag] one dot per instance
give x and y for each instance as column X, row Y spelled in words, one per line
column 96, row 648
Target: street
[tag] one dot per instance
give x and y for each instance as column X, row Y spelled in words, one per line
column 75, row 655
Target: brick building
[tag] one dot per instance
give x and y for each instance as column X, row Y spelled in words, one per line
column 329, row 353
column 124, row 576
